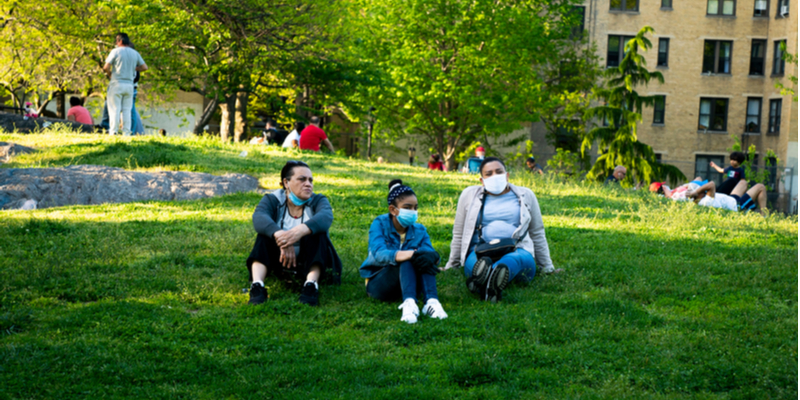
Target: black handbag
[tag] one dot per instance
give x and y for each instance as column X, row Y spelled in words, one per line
column 494, row 249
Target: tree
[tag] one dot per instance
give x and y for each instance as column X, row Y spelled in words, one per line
column 569, row 90
column 52, row 47
column 622, row 112
column 456, row 72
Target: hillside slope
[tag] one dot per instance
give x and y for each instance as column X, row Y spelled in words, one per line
column 659, row 299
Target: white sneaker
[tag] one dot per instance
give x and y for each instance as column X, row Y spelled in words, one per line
column 410, row 311
column 434, row 309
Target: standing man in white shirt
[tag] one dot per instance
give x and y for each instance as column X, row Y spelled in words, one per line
column 122, row 64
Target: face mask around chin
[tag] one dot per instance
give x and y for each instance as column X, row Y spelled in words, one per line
column 495, row 184
column 296, row 200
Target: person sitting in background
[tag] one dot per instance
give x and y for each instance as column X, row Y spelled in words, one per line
column 401, row 260
column 292, row 226
column 435, row 163
column 617, row 176
column 381, row 160
column 78, row 113
column 472, row 165
column 490, row 213
column 533, row 167
column 733, row 174
column 274, row 134
column 292, row 140
column 313, row 135
column 740, row 199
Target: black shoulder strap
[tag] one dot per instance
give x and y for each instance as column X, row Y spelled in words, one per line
column 480, row 216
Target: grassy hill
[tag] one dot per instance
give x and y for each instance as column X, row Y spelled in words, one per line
column 144, row 300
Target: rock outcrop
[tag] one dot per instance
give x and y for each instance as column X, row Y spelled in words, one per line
column 8, row 150
column 93, row 184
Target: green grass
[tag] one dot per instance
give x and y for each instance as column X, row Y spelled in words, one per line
column 144, row 300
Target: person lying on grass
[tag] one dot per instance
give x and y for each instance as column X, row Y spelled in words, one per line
column 492, row 212
column 292, row 242
column 679, row 193
column 402, row 262
column 741, row 199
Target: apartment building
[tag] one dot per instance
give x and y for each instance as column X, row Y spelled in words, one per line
column 720, row 60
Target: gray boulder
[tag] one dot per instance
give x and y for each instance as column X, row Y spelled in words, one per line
column 16, row 122
column 8, row 150
column 94, row 184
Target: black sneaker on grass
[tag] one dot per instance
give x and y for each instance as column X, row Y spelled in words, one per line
column 309, row 295
column 258, row 294
column 497, row 282
column 476, row 283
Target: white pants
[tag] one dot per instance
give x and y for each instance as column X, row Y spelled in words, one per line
column 120, row 99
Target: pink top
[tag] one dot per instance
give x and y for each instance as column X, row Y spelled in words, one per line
column 81, row 115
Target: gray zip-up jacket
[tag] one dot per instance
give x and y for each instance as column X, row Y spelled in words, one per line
column 267, row 216
column 530, row 233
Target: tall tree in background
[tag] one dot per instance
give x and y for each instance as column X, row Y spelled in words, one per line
column 618, row 141
column 456, row 72
column 222, row 49
column 49, row 48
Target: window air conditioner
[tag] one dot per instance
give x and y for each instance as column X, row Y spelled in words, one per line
column 784, row 11
column 761, row 5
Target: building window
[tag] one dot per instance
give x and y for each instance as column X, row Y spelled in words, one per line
column 704, row 170
column 721, row 7
column 783, row 8
column 762, row 8
column 658, row 110
column 663, row 52
column 658, row 157
column 752, row 122
column 713, row 115
column 717, row 57
column 775, row 116
column 579, row 12
column 779, row 64
column 625, row 5
column 666, row 3
column 616, row 50
column 758, row 51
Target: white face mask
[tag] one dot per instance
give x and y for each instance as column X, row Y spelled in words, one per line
column 495, row 184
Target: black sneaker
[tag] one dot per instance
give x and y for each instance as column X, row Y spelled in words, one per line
column 497, row 282
column 309, row 295
column 480, row 275
column 258, row 294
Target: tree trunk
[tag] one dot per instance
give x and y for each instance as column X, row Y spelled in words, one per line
column 227, row 123
column 200, row 123
column 240, row 116
column 61, row 107
column 369, row 142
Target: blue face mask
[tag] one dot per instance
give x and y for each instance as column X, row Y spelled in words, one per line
column 296, row 200
column 406, row 218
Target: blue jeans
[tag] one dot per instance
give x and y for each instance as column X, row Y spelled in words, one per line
column 520, row 263
column 137, row 127
column 412, row 283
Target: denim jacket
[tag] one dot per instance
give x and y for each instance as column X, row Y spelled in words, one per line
column 384, row 243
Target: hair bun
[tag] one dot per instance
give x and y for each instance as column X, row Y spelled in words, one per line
column 395, row 182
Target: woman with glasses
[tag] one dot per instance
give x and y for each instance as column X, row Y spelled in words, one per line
column 292, row 242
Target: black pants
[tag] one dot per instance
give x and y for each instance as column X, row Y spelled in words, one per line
column 314, row 250
column 385, row 285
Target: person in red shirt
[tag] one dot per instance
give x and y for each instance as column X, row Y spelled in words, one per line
column 312, row 136
column 78, row 113
column 435, row 163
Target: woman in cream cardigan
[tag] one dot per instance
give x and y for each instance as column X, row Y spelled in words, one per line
column 509, row 212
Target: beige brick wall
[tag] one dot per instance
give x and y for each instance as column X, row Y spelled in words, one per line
column 687, row 26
